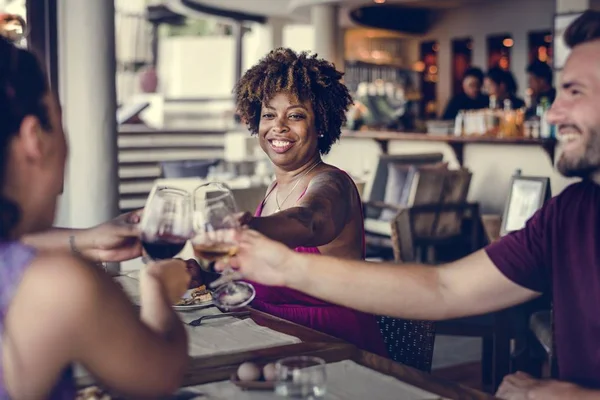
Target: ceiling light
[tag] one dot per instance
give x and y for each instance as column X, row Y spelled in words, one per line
column 379, row 1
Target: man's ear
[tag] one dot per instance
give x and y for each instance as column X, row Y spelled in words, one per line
column 31, row 138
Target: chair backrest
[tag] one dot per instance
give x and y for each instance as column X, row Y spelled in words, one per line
column 409, row 342
column 448, row 187
column 377, row 189
column 436, row 186
column 404, row 235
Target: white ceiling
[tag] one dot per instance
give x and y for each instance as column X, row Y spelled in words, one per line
column 299, row 10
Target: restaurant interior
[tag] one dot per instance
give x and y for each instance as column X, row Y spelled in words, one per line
column 435, row 185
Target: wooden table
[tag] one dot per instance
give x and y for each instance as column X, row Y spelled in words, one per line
column 217, row 368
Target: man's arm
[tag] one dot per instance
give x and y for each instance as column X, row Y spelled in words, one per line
column 508, row 272
column 470, row 286
column 319, row 217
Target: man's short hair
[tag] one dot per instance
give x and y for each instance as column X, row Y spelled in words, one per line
column 585, row 28
column 541, row 70
column 474, row 72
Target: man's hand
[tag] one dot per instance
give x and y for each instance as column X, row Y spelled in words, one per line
column 521, row 386
column 516, row 386
column 112, row 241
column 258, row 259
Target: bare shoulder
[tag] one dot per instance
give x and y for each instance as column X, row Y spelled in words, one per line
column 63, row 283
column 60, row 272
column 333, row 179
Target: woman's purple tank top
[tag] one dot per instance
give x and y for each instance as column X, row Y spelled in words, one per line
column 15, row 258
column 353, row 326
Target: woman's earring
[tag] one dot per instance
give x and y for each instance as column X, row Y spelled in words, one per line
column 321, row 135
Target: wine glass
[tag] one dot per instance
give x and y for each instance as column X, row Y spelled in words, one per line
column 216, row 228
column 213, row 193
column 166, row 223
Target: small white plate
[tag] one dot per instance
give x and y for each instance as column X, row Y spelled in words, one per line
column 192, row 307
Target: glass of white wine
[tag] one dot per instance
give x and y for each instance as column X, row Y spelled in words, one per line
column 215, row 239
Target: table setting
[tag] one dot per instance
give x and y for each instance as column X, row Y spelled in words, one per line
column 240, row 353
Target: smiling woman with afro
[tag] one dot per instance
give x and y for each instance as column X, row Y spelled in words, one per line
column 296, row 103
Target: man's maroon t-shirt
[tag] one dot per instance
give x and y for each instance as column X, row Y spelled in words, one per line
column 557, row 252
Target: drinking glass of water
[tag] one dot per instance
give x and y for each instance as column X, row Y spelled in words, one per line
column 301, row 378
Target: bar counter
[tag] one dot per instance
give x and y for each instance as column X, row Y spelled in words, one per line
column 457, row 143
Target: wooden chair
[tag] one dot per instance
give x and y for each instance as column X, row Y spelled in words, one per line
column 411, row 246
column 387, row 187
column 541, row 325
column 409, row 342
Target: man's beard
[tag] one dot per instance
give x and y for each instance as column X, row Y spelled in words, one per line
column 585, row 165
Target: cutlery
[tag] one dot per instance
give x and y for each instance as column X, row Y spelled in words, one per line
column 198, row 322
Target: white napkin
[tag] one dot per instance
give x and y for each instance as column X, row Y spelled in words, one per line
column 221, row 335
column 231, row 335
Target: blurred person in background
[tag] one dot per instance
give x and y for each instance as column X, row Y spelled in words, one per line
column 501, row 85
column 470, row 98
column 540, row 76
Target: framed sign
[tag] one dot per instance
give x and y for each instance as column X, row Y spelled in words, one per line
column 561, row 51
column 525, row 196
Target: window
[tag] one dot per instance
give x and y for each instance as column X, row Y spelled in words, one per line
column 429, row 78
column 499, row 51
column 462, row 56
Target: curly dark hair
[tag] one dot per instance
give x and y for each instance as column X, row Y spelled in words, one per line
column 303, row 76
column 22, row 88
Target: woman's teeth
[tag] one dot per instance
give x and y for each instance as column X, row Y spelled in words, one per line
column 280, row 143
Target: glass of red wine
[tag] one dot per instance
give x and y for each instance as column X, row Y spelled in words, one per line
column 166, row 223
column 215, row 239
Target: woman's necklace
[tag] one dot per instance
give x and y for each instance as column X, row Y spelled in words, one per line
column 294, row 187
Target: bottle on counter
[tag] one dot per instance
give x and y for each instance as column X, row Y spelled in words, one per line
column 459, row 123
column 546, row 129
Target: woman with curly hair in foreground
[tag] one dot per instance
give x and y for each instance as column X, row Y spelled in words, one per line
column 296, row 104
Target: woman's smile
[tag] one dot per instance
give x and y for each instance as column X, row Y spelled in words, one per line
column 280, row 146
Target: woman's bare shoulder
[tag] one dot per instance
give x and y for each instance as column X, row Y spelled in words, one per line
column 64, row 271
column 332, row 177
column 62, row 284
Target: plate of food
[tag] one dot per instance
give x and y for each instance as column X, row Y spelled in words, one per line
column 195, row 299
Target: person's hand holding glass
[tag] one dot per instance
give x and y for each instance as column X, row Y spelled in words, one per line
column 217, row 229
